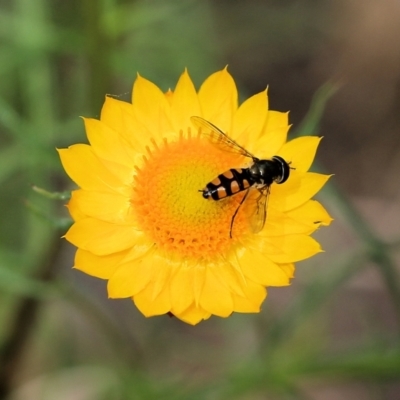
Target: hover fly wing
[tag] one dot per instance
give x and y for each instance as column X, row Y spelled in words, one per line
column 219, row 138
column 258, row 214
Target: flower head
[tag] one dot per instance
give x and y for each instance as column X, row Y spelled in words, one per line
column 141, row 222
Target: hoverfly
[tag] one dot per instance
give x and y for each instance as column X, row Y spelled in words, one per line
column 260, row 176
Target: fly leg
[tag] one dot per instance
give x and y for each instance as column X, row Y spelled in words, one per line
column 236, row 211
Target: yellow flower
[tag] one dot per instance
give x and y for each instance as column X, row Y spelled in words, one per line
column 141, row 222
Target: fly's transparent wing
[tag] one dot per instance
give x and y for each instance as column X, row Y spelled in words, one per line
column 258, row 214
column 219, row 138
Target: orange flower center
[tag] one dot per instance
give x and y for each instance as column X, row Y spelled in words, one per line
column 170, row 208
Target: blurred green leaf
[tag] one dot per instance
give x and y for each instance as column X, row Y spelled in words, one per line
column 9, row 118
column 12, row 281
column 370, row 363
column 10, row 161
column 311, row 122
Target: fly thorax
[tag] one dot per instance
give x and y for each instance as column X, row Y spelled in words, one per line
column 262, row 172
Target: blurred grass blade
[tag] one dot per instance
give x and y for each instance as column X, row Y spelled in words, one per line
column 60, row 224
column 52, row 195
column 369, row 362
column 311, row 122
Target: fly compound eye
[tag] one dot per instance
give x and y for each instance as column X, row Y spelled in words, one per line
column 284, row 170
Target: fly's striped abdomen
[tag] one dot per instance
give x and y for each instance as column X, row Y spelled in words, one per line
column 227, row 184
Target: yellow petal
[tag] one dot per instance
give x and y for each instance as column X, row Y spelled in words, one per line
column 74, row 210
column 193, row 315
column 244, row 305
column 100, row 237
column 111, row 113
column 182, row 294
column 229, row 277
column 279, row 223
column 102, row 267
column 151, row 109
column 285, row 249
column 288, row 269
column 300, row 152
column 106, row 143
column 86, row 170
column 270, row 142
column 276, row 119
column 199, row 278
column 106, row 206
column 162, row 272
column 311, row 212
column 130, row 278
column 218, row 99
column 169, row 95
column 125, row 174
column 215, row 298
column 260, row 269
column 185, row 103
column 296, row 190
column 120, row 116
column 255, row 294
column 150, row 306
column 250, row 119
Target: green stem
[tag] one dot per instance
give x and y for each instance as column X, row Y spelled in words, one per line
column 52, row 195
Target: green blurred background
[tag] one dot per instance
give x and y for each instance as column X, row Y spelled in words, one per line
column 334, row 333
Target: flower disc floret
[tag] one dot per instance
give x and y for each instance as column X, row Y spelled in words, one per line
column 169, row 207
